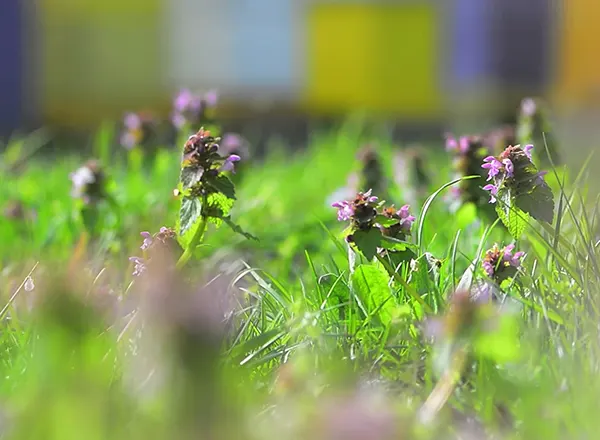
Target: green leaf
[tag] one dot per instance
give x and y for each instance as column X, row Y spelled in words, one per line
column 515, row 219
column 223, row 184
column 397, row 258
column 91, row 219
column 237, row 229
column 419, row 276
column 189, row 213
column 393, row 244
column 217, row 207
column 371, row 283
column 539, row 203
column 531, row 193
column 384, row 221
column 190, row 176
column 367, row 242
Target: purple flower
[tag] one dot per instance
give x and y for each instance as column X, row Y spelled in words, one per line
column 231, row 141
column 228, row 164
column 178, row 119
column 406, row 220
column 132, row 121
column 183, row 100
column 488, row 267
column 493, row 189
column 527, row 150
column 147, row 240
column 211, row 98
column 539, row 178
column 501, row 263
column 129, row 140
column 139, row 267
column 513, row 259
column 493, row 166
column 345, row 210
column 463, row 144
column 508, row 167
column 369, row 197
column 451, row 143
column 528, row 107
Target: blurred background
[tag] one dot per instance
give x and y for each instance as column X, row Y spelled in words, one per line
column 70, row 64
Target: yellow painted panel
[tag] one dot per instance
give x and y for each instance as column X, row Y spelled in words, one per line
column 579, row 64
column 379, row 57
column 98, row 60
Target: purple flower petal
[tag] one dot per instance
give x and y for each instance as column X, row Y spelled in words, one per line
column 182, row 101
column 132, row 121
column 528, row 107
column 451, row 143
column 228, row 164
column 488, row 268
column 493, row 166
column 463, row 144
column 509, row 167
column 345, row 210
column 128, row 140
column 147, row 240
column 139, row 267
column 178, row 120
column 493, row 189
column 527, row 150
column 211, row 98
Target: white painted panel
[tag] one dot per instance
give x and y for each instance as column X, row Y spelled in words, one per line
column 198, row 44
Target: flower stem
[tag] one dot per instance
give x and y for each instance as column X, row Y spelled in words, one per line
column 444, row 388
column 195, row 241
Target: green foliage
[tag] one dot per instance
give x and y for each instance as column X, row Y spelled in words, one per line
column 189, row 214
column 304, row 324
column 515, row 219
column 372, row 285
column 367, row 242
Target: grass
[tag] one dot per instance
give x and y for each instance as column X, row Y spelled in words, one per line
column 291, row 335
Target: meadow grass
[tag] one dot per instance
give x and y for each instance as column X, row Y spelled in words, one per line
column 295, row 334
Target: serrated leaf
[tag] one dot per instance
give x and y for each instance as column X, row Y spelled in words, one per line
column 515, row 219
column 367, row 242
column 217, row 207
column 224, row 185
column 189, row 213
column 531, row 193
column 371, row 283
column 539, row 203
column 237, row 229
column 190, row 176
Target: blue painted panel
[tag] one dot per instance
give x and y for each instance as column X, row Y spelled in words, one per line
column 471, row 61
column 263, row 45
column 11, row 65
